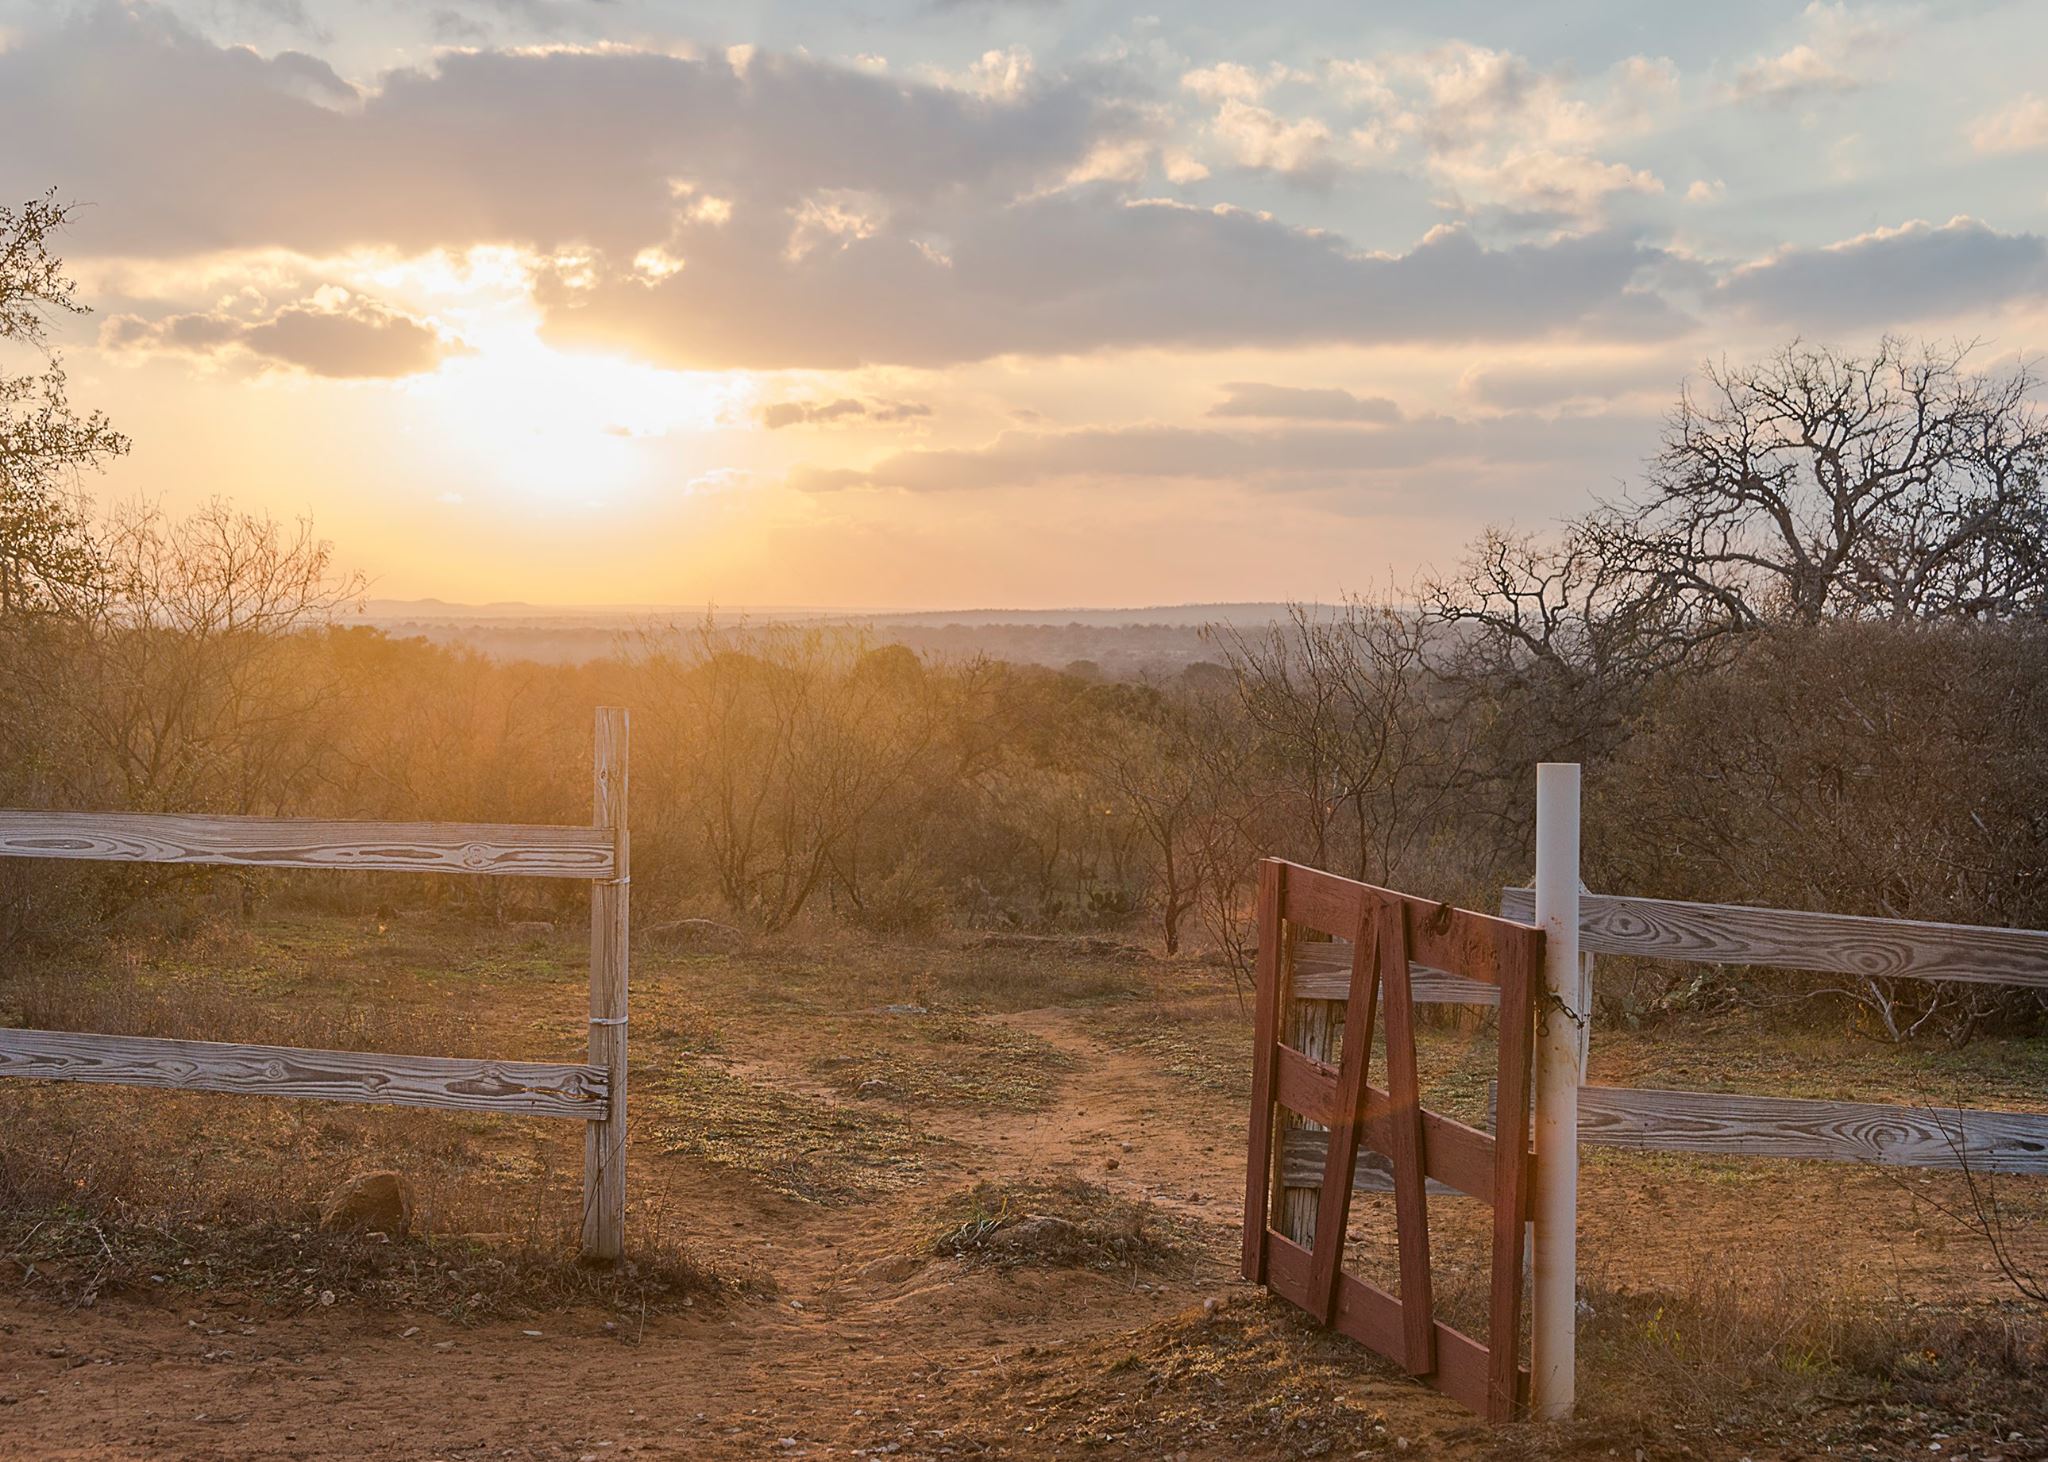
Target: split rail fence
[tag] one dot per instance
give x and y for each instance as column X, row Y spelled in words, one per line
column 1723, row 1124
column 594, row 1093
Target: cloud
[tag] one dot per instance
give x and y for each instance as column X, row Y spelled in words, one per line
column 334, row 334
column 1840, row 45
column 1413, row 459
column 1542, row 387
column 1550, row 187
column 1226, row 81
column 765, row 210
column 549, row 147
column 1088, row 269
column 1252, row 137
column 1302, row 403
column 1917, row 271
column 780, row 414
column 1505, row 135
column 1791, row 75
column 2020, row 126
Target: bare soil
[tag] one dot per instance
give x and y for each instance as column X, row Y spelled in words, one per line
column 915, row 1202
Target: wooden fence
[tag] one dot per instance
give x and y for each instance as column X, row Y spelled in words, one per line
column 594, row 1093
column 1725, row 1124
column 1569, row 1114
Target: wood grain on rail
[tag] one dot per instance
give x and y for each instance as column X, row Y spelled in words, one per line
column 1846, row 944
column 1440, row 936
column 289, row 842
column 1304, row 1152
column 1322, row 971
column 526, row 1088
column 1725, row 1125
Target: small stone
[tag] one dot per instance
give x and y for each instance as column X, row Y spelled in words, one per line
column 326, row 1296
column 381, row 1201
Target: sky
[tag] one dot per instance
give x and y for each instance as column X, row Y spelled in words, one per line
column 967, row 303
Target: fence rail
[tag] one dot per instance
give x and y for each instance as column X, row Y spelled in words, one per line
column 1845, row 944
column 1723, row 1124
column 520, row 1088
column 1728, row 1124
column 504, row 849
column 598, row 854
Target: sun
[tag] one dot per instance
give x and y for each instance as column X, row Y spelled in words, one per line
column 559, row 427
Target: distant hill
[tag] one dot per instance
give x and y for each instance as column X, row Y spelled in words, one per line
column 410, row 611
column 1154, row 640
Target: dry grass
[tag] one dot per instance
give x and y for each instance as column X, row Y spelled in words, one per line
column 787, row 1142
column 1252, row 1380
column 944, row 1060
column 1794, row 1351
column 1060, row 1223
column 762, row 1067
column 104, row 1190
column 838, row 971
column 91, row 1204
column 1204, row 1042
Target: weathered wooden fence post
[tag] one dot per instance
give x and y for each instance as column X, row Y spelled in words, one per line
column 1554, row 1302
column 604, row 1142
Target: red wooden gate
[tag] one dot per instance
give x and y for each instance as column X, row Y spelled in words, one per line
column 1389, row 932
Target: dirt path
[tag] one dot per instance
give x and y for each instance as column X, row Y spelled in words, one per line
column 862, row 1349
column 869, row 1346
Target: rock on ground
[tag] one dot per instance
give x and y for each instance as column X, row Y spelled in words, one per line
column 380, row 1201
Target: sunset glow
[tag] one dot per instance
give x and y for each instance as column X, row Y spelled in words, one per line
column 960, row 304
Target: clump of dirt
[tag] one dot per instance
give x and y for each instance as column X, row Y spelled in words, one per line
column 1065, row 1224
column 790, row 1142
column 1255, row 1379
column 382, row 1202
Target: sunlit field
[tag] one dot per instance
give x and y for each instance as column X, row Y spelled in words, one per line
column 1000, row 1189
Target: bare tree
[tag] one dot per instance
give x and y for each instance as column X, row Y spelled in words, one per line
column 1819, row 485
column 783, row 745
column 1148, row 758
column 46, row 552
column 1347, row 703
column 188, row 674
column 1814, row 485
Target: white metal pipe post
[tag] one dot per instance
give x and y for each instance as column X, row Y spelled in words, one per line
column 1554, row 1302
